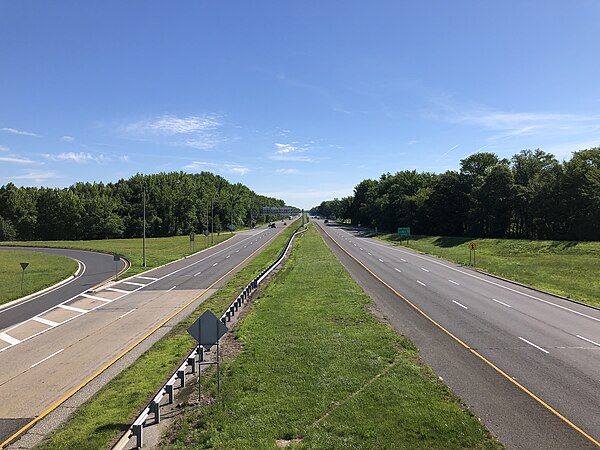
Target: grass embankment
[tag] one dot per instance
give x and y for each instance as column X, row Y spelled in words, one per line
column 159, row 251
column 110, row 411
column 44, row 270
column 318, row 368
column 567, row 268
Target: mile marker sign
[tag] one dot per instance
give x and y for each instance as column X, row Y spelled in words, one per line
column 207, row 330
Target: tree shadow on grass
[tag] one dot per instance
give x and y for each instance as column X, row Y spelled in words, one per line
column 563, row 245
column 447, row 241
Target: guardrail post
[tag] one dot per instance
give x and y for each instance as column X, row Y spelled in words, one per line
column 137, row 432
column 192, row 363
column 155, row 408
column 169, row 390
column 200, row 354
column 223, row 319
column 181, row 376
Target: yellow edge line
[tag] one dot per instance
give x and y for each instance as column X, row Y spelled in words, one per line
column 102, row 369
column 479, row 355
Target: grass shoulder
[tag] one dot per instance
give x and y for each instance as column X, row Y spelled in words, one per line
column 317, row 370
column 97, row 423
column 44, row 270
column 567, row 268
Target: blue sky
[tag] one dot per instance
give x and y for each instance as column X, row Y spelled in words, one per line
column 297, row 100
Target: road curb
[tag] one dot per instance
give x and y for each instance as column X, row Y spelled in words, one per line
column 43, row 291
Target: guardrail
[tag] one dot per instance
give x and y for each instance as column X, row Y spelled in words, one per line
column 194, row 359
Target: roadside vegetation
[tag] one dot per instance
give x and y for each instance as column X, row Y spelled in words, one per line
column 159, row 251
column 570, row 269
column 102, row 419
column 43, row 270
column 318, row 371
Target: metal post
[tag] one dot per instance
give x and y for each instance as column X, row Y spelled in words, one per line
column 212, row 222
column 22, row 280
column 144, row 226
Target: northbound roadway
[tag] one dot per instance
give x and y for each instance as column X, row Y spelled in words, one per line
column 527, row 363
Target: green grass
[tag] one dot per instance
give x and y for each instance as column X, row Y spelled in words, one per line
column 566, row 268
column 110, row 411
column 317, row 366
column 44, row 270
column 159, row 251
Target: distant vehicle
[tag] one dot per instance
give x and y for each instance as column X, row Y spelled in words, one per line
column 285, row 223
column 272, row 225
column 326, row 221
column 290, row 218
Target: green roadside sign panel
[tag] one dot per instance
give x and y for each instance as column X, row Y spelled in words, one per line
column 404, row 231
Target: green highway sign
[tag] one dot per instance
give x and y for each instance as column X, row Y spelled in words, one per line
column 404, row 231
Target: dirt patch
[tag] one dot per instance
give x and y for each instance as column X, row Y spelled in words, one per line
column 283, row 443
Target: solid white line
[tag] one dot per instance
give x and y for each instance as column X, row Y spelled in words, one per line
column 397, row 270
column 169, row 290
column 489, row 282
column 420, row 282
column 459, row 304
column 46, row 358
column 361, row 248
column 533, row 345
column 369, row 254
column 146, row 278
column 588, row 340
column 122, row 291
column 50, row 323
column 128, row 312
column 454, row 282
column 402, row 259
column 237, row 251
column 11, row 340
column 227, row 256
column 380, row 260
column 196, row 274
column 73, row 308
column 93, row 297
column 134, row 284
column 502, row 303
column 215, row 264
column 423, row 268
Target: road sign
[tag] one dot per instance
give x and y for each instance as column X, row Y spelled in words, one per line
column 116, row 258
column 24, row 265
column 231, row 227
column 207, row 330
column 404, row 231
column 272, row 210
column 472, row 246
column 206, row 233
column 192, row 236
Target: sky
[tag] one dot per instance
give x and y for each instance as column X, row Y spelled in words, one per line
column 299, row 100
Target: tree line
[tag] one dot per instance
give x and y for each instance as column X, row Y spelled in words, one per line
column 176, row 203
column 531, row 196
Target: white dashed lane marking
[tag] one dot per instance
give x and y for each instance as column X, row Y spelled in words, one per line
column 454, row 282
column 459, row 304
column 502, row 303
column 421, row 283
column 46, row 358
column 533, row 345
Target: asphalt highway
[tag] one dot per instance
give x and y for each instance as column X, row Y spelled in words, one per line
column 527, row 363
column 95, row 269
column 59, row 351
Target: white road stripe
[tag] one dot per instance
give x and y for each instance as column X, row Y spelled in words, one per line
column 423, row 268
column 46, row 358
column 380, row 260
column 420, row 282
column 122, row 291
column 72, row 308
column 134, row 284
column 402, row 259
column 454, row 282
column 147, row 278
column 169, row 290
column 227, row 256
column 369, row 254
column 533, row 345
column 93, row 297
column 502, row 303
column 50, row 323
column 361, row 248
column 196, row 274
column 397, row 270
column 128, row 312
column 237, row 251
column 459, row 304
column 215, row 264
column 588, row 340
column 11, row 340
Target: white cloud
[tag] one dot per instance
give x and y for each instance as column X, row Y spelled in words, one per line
column 3, row 149
column 36, row 175
column 227, row 168
column 202, row 143
column 169, row 125
column 284, row 149
column 413, row 142
column 19, row 132
column 296, row 158
column 124, row 158
column 451, row 148
column 78, row 157
column 287, row 171
column 68, row 138
column 16, row 159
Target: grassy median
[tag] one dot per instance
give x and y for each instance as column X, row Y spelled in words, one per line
column 318, row 371
column 43, row 270
column 567, row 268
column 111, row 410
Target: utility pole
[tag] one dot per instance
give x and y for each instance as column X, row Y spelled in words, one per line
column 212, row 222
column 144, row 227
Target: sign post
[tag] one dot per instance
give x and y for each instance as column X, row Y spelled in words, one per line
column 207, row 330
column 404, row 232
column 472, row 247
column 116, row 259
column 23, row 266
column 192, row 237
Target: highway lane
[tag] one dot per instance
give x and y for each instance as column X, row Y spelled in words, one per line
column 548, row 345
column 97, row 268
column 97, row 328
